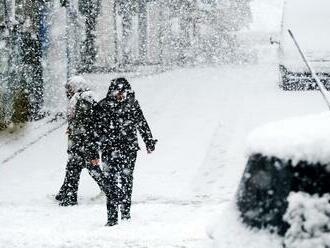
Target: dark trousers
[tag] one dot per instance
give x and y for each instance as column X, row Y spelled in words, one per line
column 69, row 189
column 119, row 168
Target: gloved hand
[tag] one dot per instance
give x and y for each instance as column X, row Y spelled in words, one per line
column 151, row 145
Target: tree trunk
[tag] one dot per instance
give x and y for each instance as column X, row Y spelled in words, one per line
column 126, row 35
column 143, row 25
column 89, row 49
column 115, row 34
column 32, row 78
column 90, row 9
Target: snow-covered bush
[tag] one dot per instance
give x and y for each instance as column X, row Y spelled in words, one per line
column 309, row 219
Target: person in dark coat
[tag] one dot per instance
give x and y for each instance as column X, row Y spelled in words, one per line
column 119, row 118
column 83, row 149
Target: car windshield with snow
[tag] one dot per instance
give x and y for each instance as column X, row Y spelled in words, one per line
column 308, row 19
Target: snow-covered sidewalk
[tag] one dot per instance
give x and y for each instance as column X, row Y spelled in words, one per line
column 201, row 118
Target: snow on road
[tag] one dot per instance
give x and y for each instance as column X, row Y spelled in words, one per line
column 201, row 118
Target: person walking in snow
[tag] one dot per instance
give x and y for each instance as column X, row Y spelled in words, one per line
column 119, row 119
column 82, row 142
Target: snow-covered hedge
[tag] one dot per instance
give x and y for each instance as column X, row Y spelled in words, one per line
column 309, row 219
column 304, row 138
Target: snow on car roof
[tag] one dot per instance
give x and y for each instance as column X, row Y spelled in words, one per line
column 308, row 20
column 305, row 138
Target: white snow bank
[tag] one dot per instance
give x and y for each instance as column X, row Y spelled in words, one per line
column 229, row 231
column 309, row 218
column 305, row 138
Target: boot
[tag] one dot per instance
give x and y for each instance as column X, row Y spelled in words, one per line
column 125, row 209
column 59, row 197
column 69, row 200
column 111, row 223
column 112, row 211
column 125, row 212
column 62, row 193
column 126, row 216
column 66, row 203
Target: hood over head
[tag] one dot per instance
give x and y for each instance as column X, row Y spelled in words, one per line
column 77, row 84
column 77, row 88
column 118, row 85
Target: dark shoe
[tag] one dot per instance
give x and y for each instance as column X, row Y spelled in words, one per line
column 125, row 211
column 68, row 203
column 112, row 223
column 59, row 197
column 125, row 216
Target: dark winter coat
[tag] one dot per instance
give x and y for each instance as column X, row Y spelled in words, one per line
column 118, row 122
column 83, row 140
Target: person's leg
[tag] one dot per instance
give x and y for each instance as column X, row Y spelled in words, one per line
column 63, row 190
column 127, row 183
column 101, row 194
column 103, row 180
column 114, row 198
column 112, row 212
column 62, row 194
column 71, row 182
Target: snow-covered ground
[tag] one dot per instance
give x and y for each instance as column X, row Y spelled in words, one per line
column 201, row 118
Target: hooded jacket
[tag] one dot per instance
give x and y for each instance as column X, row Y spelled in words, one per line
column 81, row 123
column 118, row 122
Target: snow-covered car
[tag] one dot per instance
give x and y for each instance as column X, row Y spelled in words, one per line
column 283, row 196
column 308, row 19
column 284, row 157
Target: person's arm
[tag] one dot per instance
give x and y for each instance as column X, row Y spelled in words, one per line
column 94, row 136
column 88, row 118
column 144, row 129
column 102, row 123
